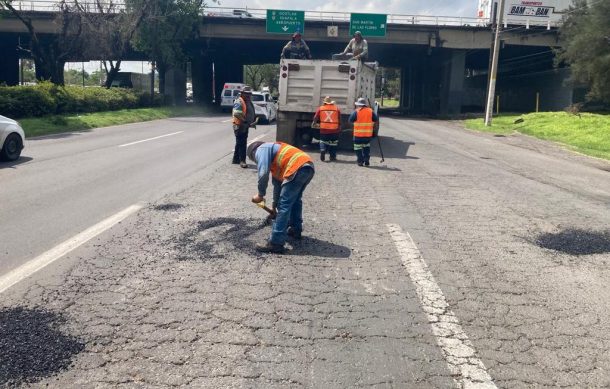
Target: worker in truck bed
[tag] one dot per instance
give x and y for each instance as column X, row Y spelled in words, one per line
column 357, row 47
column 296, row 48
column 329, row 118
column 364, row 120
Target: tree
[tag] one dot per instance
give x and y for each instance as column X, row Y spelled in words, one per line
column 50, row 53
column 112, row 28
column 585, row 38
column 258, row 76
column 166, row 28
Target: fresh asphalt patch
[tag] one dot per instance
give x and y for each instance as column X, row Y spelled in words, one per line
column 168, row 207
column 32, row 346
column 216, row 238
column 576, row 242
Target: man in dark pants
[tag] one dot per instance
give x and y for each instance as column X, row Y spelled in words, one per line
column 243, row 116
column 364, row 120
column 291, row 170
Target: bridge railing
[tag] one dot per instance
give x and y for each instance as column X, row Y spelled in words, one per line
column 255, row 13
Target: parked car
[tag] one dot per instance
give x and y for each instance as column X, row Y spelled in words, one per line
column 236, row 13
column 11, row 138
column 264, row 106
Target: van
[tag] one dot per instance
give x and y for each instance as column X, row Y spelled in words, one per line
column 230, row 92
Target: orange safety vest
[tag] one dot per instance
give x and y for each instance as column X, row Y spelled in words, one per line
column 363, row 126
column 329, row 119
column 287, row 161
column 244, row 109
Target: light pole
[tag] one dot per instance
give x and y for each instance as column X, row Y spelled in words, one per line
column 494, row 68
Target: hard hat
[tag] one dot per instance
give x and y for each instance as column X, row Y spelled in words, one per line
column 327, row 100
column 361, row 102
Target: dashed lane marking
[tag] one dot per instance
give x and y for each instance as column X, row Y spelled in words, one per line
column 466, row 368
column 146, row 140
column 64, row 248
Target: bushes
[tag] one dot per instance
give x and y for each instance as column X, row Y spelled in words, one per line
column 47, row 99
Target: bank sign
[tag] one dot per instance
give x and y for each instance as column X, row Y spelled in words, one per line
column 521, row 12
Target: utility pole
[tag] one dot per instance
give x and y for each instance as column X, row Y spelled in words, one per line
column 494, row 68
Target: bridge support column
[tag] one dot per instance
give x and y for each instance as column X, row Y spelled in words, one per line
column 452, row 82
column 201, row 70
column 175, row 86
column 9, row 66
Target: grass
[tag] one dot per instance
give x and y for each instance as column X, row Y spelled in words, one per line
column 586, row 133
column 388, row 102
column 78, row 122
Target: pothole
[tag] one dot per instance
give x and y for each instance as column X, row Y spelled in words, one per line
column 576, row 242
column 217, row 238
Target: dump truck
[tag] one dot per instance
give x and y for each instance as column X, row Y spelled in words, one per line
column 303, row 85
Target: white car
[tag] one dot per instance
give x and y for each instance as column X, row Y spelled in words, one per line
column 11, row 139
column 264, row 106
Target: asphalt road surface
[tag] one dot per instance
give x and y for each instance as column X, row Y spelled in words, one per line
column 65, row 183
column 464, row 260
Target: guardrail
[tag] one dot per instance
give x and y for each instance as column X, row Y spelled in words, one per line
column 255, row 13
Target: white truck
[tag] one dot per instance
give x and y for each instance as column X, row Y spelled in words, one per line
column 303, row 85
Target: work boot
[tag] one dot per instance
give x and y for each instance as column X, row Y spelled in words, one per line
column 269, row 247
column 322, row 156
column 243, row 164
column 293, row 234
column 333, row 157
column 366, row 163
column 360, row 164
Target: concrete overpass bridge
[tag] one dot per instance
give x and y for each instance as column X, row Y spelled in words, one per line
column 443, row 61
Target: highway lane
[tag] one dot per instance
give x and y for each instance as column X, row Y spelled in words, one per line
column 65, row 183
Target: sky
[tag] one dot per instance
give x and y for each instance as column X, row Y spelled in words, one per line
column 400, row 7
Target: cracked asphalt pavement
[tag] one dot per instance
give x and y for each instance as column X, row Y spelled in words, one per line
column 513, row 231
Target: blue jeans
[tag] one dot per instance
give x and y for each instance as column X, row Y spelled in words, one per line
column 290, row 205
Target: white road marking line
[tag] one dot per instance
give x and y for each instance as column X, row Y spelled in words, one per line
column 226, row 121
column 64, row 248
column 467, row 370
column 146, row 140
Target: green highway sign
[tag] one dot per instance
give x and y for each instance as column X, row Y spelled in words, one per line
column 285, row 21
column 368, row 24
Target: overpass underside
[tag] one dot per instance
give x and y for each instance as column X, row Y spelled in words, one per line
column 443, row 70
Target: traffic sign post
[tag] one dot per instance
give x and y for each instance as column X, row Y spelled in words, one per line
column 368, row 24
column 285, row 21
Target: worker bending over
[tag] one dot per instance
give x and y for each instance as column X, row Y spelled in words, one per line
column 291, row 171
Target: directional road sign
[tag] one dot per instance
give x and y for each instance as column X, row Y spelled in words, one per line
column 368, row 24
column 285, row 21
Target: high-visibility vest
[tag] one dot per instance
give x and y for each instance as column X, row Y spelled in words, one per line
column 287, row 161
column 244, row 110
column 363, row 126
column 329, row 119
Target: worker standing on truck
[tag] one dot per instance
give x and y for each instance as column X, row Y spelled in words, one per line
column 243, row 117
column 357, row 47
column 291, row 170
column 296, row 48
column 329, row 118
column 364, row 120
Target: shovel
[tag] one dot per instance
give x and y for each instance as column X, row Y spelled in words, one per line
column 271, row 212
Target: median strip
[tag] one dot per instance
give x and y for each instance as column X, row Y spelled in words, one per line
column 466, row 368
column 45, row 259
column 146, row 140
